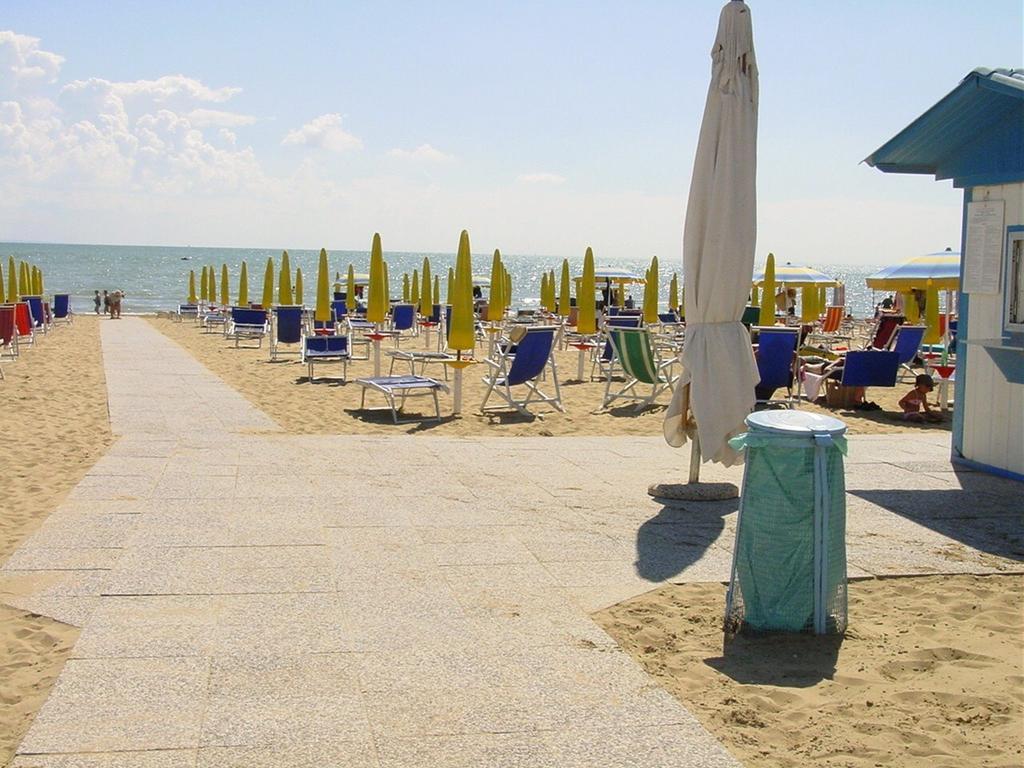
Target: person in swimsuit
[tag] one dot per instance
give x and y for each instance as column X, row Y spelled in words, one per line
column 915, row 402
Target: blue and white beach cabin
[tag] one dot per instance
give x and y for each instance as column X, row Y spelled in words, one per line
column 975, row 136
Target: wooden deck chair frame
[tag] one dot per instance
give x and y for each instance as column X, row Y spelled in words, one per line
column 502, row 365
column 641, row 363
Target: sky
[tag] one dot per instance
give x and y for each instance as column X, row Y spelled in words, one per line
column 541, row 127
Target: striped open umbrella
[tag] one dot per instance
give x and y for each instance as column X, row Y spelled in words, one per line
column 933, row 270
column 797, row 276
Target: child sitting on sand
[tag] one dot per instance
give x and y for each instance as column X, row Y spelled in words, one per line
column 915, row 402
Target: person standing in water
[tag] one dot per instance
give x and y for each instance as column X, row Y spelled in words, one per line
column 106, row 303
column 96, row 300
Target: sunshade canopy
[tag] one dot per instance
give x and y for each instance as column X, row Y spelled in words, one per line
column 933, row 270
column 797, row 276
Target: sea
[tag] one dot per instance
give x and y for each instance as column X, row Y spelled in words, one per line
column 155, row 278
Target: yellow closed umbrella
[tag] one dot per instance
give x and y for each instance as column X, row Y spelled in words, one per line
column 243, row 286
column 387, row 287
column 322, row 313
column 437, row 291
column 192, row 287
column 204, row 286
column 3, row 287
column 565, row 294
column 931, row 315
column 268, row 284
column 544, row 290
column 426, row 297
column 508, row 287
column 552, row 292
column 822, row 300
column 350, row 289
column 651, row 294
column 211, row 284
column 496, row 297
column 460, row 337
column 767, row 316
column 34, row 280
column 284, row 287
column 451, row 286
column 753, row 297
column 376, row 306
column 12, row 281
column 586, row 318
column 405, row 288
column 23, row 286
column 298, row 285
column 414, row 288
column 673, row 293
column 225, row 290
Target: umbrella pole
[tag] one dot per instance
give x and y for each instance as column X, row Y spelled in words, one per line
column 457, row 387
column 376, row 352
column 695, row 460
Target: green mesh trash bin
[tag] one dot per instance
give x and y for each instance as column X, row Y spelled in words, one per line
column 789, row 560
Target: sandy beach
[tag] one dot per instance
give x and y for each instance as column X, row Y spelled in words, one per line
column 55, row 399
column 929, row 674
column 281, row 390
column 941, row 681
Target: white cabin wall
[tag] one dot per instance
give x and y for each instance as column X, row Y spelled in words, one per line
column 993, row 407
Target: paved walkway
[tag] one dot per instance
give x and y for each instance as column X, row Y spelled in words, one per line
column 253, row 598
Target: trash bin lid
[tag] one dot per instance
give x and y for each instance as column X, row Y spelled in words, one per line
column 794, row 423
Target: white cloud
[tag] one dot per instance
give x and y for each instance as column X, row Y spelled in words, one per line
column 23, row 62
column 540, row 178
column 205, row 118
column 424, row 152
column 324, row 132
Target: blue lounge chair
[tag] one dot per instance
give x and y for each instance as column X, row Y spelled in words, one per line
column 340, row 310
column 287, row 329
column 906, row 344
column 403, row 387
column 751, row 316
column 403, row 322
column 38, row 314
column 247, row 324
column 324, row 349
column 190, row 311
column 641, row 364
column 776, row 365
column 870, row 368
column 62, row 307
column 522, row 365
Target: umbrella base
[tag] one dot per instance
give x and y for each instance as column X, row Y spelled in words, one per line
column 670, row 493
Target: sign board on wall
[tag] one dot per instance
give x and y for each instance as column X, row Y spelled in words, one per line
column 983, row 252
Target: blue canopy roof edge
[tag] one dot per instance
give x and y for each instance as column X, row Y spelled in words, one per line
column 973, row 135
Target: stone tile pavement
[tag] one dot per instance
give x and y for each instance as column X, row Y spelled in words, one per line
column 249, row 597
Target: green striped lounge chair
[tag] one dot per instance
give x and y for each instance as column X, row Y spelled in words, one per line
column 642, row 367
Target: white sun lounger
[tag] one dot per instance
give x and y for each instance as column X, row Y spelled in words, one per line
column 402, row 387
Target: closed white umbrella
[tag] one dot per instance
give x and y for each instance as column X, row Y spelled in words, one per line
column 716, row 390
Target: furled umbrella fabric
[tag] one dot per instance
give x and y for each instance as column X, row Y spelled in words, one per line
column 268, row 285
column 243, row 285
column 767, row 315
column 284, row 287
column 225, row 287
column 405, row 288
column 565, row 292
column 3, row 287
column 211, row 284
column 460, row 337
column 12, row 281
column 426, row 292
column 376, row 307
column 586, row 319
column 322, row 312
column 651, row 294
column 496, row 297
column 204, row 286
column 673, row 293
column 350, row 289
column 716, row 388
column 299, row 287
column 414, row 289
